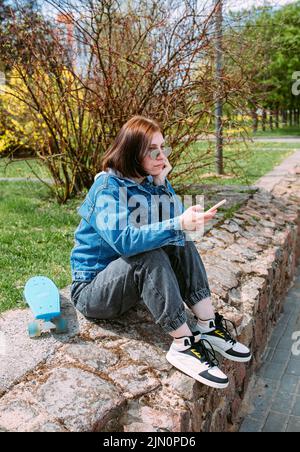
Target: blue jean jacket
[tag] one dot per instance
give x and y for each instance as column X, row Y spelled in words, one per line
column 120, row 217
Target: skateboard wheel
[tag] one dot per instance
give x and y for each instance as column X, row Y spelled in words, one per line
column 34, row 329
column 61, row 325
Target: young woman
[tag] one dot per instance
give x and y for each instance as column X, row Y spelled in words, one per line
column 126, row 252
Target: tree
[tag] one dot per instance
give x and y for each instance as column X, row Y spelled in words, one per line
column 137, row 60
column 278, row 31
column 4, row 10
column 81, row 77
column 9, row 10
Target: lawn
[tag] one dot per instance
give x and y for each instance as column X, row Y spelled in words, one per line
column 37, row 233
column 36, row 238
column 242, row 165
column 22, row 168
column 277, row 133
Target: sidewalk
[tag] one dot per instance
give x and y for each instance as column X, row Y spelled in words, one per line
column 288, row 168
column 274, row 405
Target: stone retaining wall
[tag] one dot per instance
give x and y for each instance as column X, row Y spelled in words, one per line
column 113, row 376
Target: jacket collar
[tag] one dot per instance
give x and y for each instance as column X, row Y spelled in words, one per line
column 129, row 182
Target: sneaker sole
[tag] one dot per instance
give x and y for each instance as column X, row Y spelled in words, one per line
column 196, row 376
column 230, row 357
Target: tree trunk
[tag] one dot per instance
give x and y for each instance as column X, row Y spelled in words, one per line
column 271, row 119
column 291, row 117
column 277, row 118
column 255, row 120
column 284, row 118
column 296, row 117
column 264, row 119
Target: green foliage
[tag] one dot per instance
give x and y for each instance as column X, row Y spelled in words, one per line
column 19, row 127
column 279, row 33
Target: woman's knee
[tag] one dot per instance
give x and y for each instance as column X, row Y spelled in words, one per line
column 108, row 302
column 94, row 310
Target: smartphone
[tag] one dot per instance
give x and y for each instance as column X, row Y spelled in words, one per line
column 217, row 205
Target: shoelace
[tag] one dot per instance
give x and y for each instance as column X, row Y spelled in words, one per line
column 222, row 325
column 209, row 355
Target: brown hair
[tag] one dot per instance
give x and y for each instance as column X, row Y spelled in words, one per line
column 130, row 147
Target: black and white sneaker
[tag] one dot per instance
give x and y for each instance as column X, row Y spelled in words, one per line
column 190, row 355
column 216, row 332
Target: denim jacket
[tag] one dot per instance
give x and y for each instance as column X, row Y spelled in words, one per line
column 120, row 217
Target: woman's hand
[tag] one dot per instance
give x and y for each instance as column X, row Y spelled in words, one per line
column 160, row 179
column 194, row 218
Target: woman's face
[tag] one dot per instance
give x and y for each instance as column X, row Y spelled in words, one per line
column 154, row 167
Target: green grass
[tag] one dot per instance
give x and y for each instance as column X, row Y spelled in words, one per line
column 36, row 239
column 277, row 133
column 22, row 168
column 242, row 166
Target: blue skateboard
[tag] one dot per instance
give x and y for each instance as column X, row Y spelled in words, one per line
column 42, row 296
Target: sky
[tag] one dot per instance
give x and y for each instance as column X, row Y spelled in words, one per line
column 233, row 5
column 237, row 5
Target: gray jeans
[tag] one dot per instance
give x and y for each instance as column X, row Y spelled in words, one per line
column 164, row 279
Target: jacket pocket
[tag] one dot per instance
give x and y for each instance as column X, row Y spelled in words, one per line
column 86, row 209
